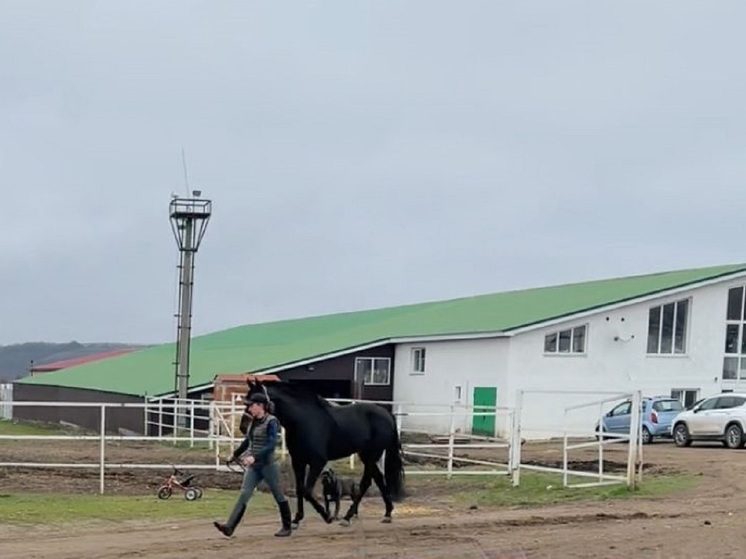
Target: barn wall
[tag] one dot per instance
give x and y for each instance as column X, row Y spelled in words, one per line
column 616, row 359
column 87, row 417
column 453, row 369
column 334, row 378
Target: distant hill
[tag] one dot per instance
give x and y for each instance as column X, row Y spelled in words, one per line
column 15, row 360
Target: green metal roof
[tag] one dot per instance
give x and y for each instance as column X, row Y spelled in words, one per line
column 258, row 347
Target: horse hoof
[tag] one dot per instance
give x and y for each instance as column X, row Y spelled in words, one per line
column 386, row 520
column 295, row 525
column 344, row 522
column 329, row 520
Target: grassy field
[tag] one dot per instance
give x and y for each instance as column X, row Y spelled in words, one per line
column 55, row 508
column 486, row 492
column 30, row 428
column 545, row 489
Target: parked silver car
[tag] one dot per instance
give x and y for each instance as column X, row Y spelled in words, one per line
column 717, row 418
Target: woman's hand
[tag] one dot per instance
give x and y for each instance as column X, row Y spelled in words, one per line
column 248, row 461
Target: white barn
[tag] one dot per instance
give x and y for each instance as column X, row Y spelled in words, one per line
column 685, row 339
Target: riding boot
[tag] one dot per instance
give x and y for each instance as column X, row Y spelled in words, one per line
column 228, row 528
column 285, row 516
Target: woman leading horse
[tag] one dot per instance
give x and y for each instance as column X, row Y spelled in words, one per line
column 317, row 432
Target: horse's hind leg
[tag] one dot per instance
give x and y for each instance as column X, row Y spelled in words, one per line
column 381, row 484
column 364, row 485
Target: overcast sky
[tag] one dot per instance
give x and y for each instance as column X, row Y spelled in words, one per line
column 358, row 154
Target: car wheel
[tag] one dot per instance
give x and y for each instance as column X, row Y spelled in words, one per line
column 647, row 438
column 734, row 436
column 681, row 435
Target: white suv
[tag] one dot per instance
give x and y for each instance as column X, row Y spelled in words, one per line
column 718, row 418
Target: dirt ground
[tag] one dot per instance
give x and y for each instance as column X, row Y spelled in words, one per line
column 707, row 520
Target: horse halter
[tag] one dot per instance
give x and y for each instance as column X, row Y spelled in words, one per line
column 270, row 403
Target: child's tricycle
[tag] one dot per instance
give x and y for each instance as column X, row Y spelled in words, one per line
column 191, row 492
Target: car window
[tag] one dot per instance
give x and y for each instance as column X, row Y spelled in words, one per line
column 622, row 409
column 725, row 402
column 728, row 402
column 695, row 404
column 709, row 404
column 667, row 405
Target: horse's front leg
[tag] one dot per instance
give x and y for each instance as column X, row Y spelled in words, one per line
column 314, row 471
column 299, row 469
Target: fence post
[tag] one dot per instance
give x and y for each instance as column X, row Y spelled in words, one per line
column 564, row 453
column 515, row 467
column 233, row 422
column 191, row 426
column 175, row 420
column 210, row 425
column 283, row 445
column 102, row 449
column 145, row 417
column 398, row 416
column 160, row 418
column 600, row 442
column 634, row 437
column 451, row 430
column 217, row 416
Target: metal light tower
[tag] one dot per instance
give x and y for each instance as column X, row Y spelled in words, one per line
column 189, row 217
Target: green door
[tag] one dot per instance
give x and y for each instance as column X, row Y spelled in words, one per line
column 484, row 424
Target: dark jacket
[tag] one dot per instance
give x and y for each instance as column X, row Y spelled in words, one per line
column 261, row 440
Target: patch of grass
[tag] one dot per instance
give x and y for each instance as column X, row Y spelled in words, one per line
column 60, row 509
column 546, row 488
column 11, row 427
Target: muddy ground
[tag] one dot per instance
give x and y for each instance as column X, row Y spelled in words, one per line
column 708, row 520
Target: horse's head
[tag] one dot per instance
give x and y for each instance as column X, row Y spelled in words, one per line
column 290, row 402
column 257, row 385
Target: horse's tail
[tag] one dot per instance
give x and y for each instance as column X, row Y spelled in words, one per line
column 394, row 469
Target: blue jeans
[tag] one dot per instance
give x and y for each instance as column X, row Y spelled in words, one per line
column 270, row 473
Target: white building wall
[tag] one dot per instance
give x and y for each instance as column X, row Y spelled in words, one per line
column 519, row 362
column 618, row 365
column 466, row 363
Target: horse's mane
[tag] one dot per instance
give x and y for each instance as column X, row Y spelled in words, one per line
column 302, row 393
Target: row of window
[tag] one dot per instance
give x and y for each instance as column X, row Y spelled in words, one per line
column 376, row 371
column 667, row 325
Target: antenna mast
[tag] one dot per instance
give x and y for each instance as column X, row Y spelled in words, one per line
column 189, row 217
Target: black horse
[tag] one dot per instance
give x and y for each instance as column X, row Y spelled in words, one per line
column 316, row 432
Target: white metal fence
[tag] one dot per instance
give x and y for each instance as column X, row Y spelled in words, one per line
column 574, row 439
column 431, row 452
column 6, row 396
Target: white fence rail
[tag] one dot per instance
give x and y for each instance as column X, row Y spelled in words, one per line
column 102, row 437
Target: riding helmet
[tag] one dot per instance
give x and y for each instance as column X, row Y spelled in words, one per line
column 256, row 398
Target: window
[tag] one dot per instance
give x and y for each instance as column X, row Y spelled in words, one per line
column 373, row 370
column 734, row 361
column 687, row 396
column 622, row 409
column 571, row 340
column 708, row 404
column 667, row 405
column 457, row 393
column 667, row 328
column 728, row 402
column 418, row 359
